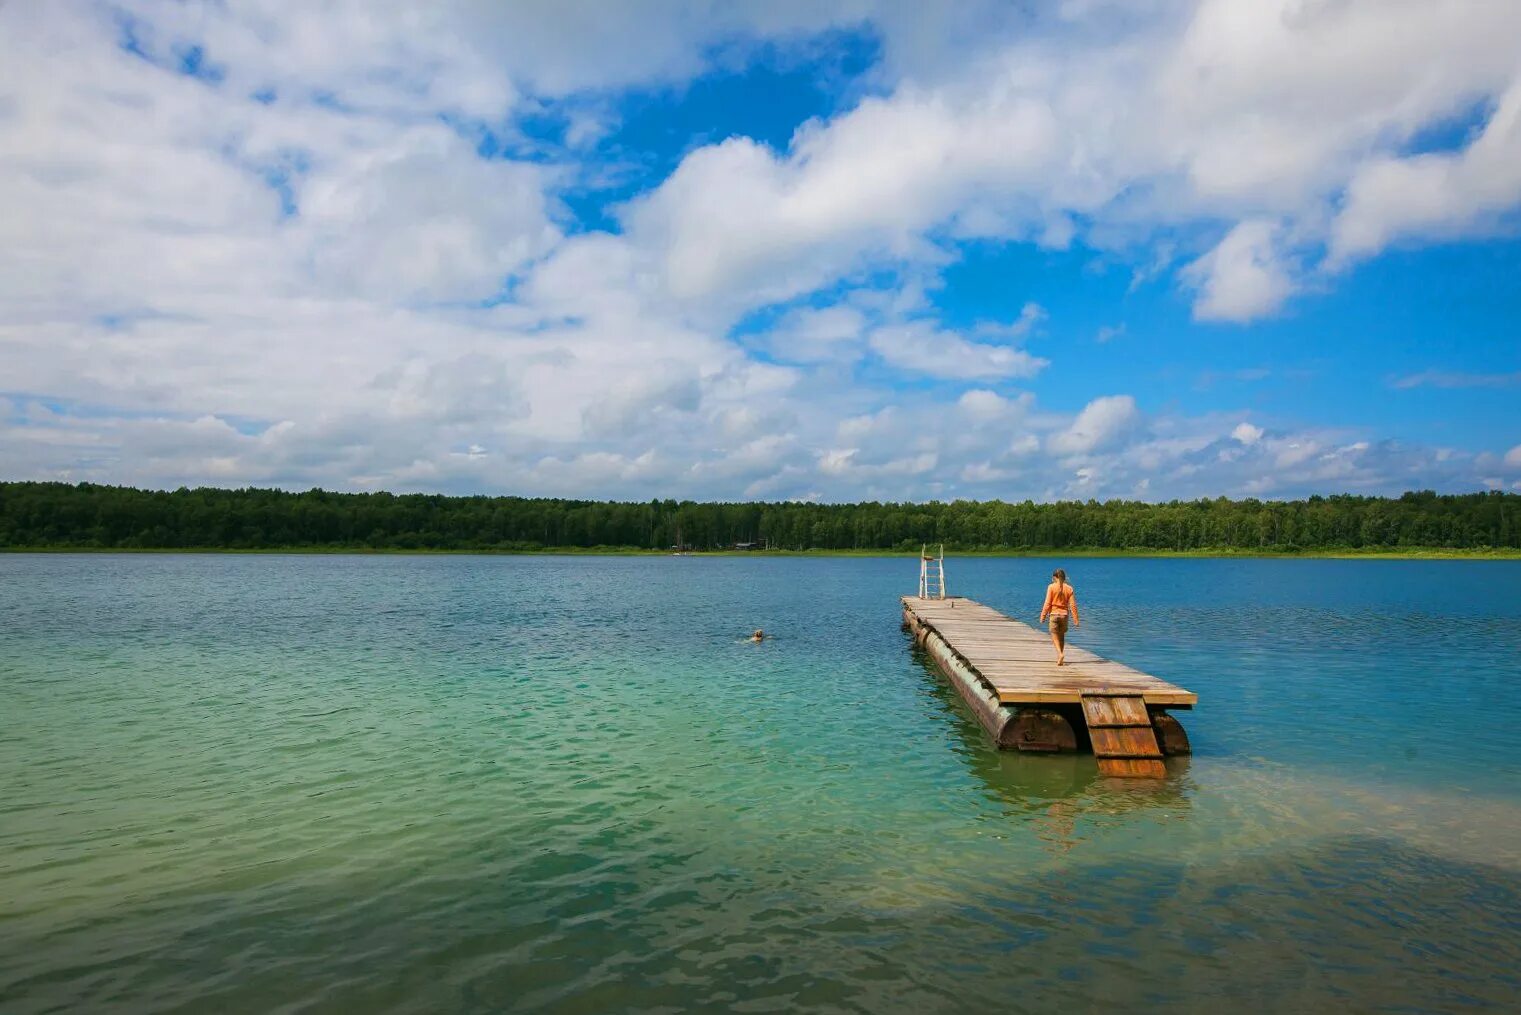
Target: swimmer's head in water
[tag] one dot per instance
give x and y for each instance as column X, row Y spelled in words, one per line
column 758, row 635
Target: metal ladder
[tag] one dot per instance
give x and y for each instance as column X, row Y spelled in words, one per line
column 931, row 574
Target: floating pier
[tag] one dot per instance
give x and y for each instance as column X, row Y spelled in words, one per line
column 1006, row 672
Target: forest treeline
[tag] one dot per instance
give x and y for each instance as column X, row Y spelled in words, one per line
column 88, row 516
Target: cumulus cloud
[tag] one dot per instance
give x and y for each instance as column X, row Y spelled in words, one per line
column 1103, row 423
column 985, row 406
column 319, row 244
column 857, row 190
column 1242, row 277
column 458, row 55
column 419, row 218
column 1440, row 195
column 924, row 349
column 1257, row 118
column 1246, row 433
column 632, row 401
column 818, row 335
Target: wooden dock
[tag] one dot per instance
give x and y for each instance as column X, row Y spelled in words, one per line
column 1007, row 673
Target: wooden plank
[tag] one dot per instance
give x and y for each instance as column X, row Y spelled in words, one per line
column 1043, row 693
column 1015, row 660
column 1060, row 696
column 1115, row 710
column 1067, row 682
column 1124, row 742
column 1049, row 672
column 1066, row 679
column 1132, row 768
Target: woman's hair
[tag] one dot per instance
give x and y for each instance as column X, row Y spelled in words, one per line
column 1061, row 580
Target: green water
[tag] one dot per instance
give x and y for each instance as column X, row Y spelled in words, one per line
column 568, row 784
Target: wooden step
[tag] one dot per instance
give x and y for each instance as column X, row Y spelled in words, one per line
column 1131, row 742
column 1132, row 768
column 1115, row 710
column 1123, row 739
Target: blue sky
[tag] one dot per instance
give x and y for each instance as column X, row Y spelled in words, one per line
column 817, row 250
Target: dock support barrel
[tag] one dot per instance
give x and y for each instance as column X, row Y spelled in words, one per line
column 1170, row 734
column 1010, row 728
column 1041, row 729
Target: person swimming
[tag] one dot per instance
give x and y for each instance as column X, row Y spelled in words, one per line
column 758, row 636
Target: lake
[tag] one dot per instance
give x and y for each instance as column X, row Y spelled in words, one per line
column 391, row 783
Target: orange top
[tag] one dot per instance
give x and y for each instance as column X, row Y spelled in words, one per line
column 1059, row 599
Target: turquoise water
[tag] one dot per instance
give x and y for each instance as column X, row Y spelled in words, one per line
column 265, row 783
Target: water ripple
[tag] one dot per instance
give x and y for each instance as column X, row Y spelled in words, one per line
column 413, row 784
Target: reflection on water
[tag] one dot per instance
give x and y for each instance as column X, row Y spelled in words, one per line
column 1053, row 789
column 566, row 784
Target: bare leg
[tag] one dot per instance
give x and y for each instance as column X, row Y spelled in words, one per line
column 1061, row 646
column 1057, row 642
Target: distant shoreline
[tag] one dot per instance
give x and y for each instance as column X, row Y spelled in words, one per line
column 1418, row 524
column 1399, row 553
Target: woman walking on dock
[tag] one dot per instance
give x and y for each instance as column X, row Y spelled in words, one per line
column 1060, row 601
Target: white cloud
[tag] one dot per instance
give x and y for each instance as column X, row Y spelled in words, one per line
column 856, row 190
column 1292, row 451
column 844, row 463
column 420, row 217
column 808, row 335
column 598, row 470
column 985, row 406
column 1030, row 315
column 1246, row 433
column 1441, row 195
column 461, row 55
column 1243, row 277
column 301, row 268
column 1103, row 423
column 1024, row 445
column 1513, row 457
column 633, row 401
column 923, row 349
column 1256, row 116
column 836, row 461
column 986, row 472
